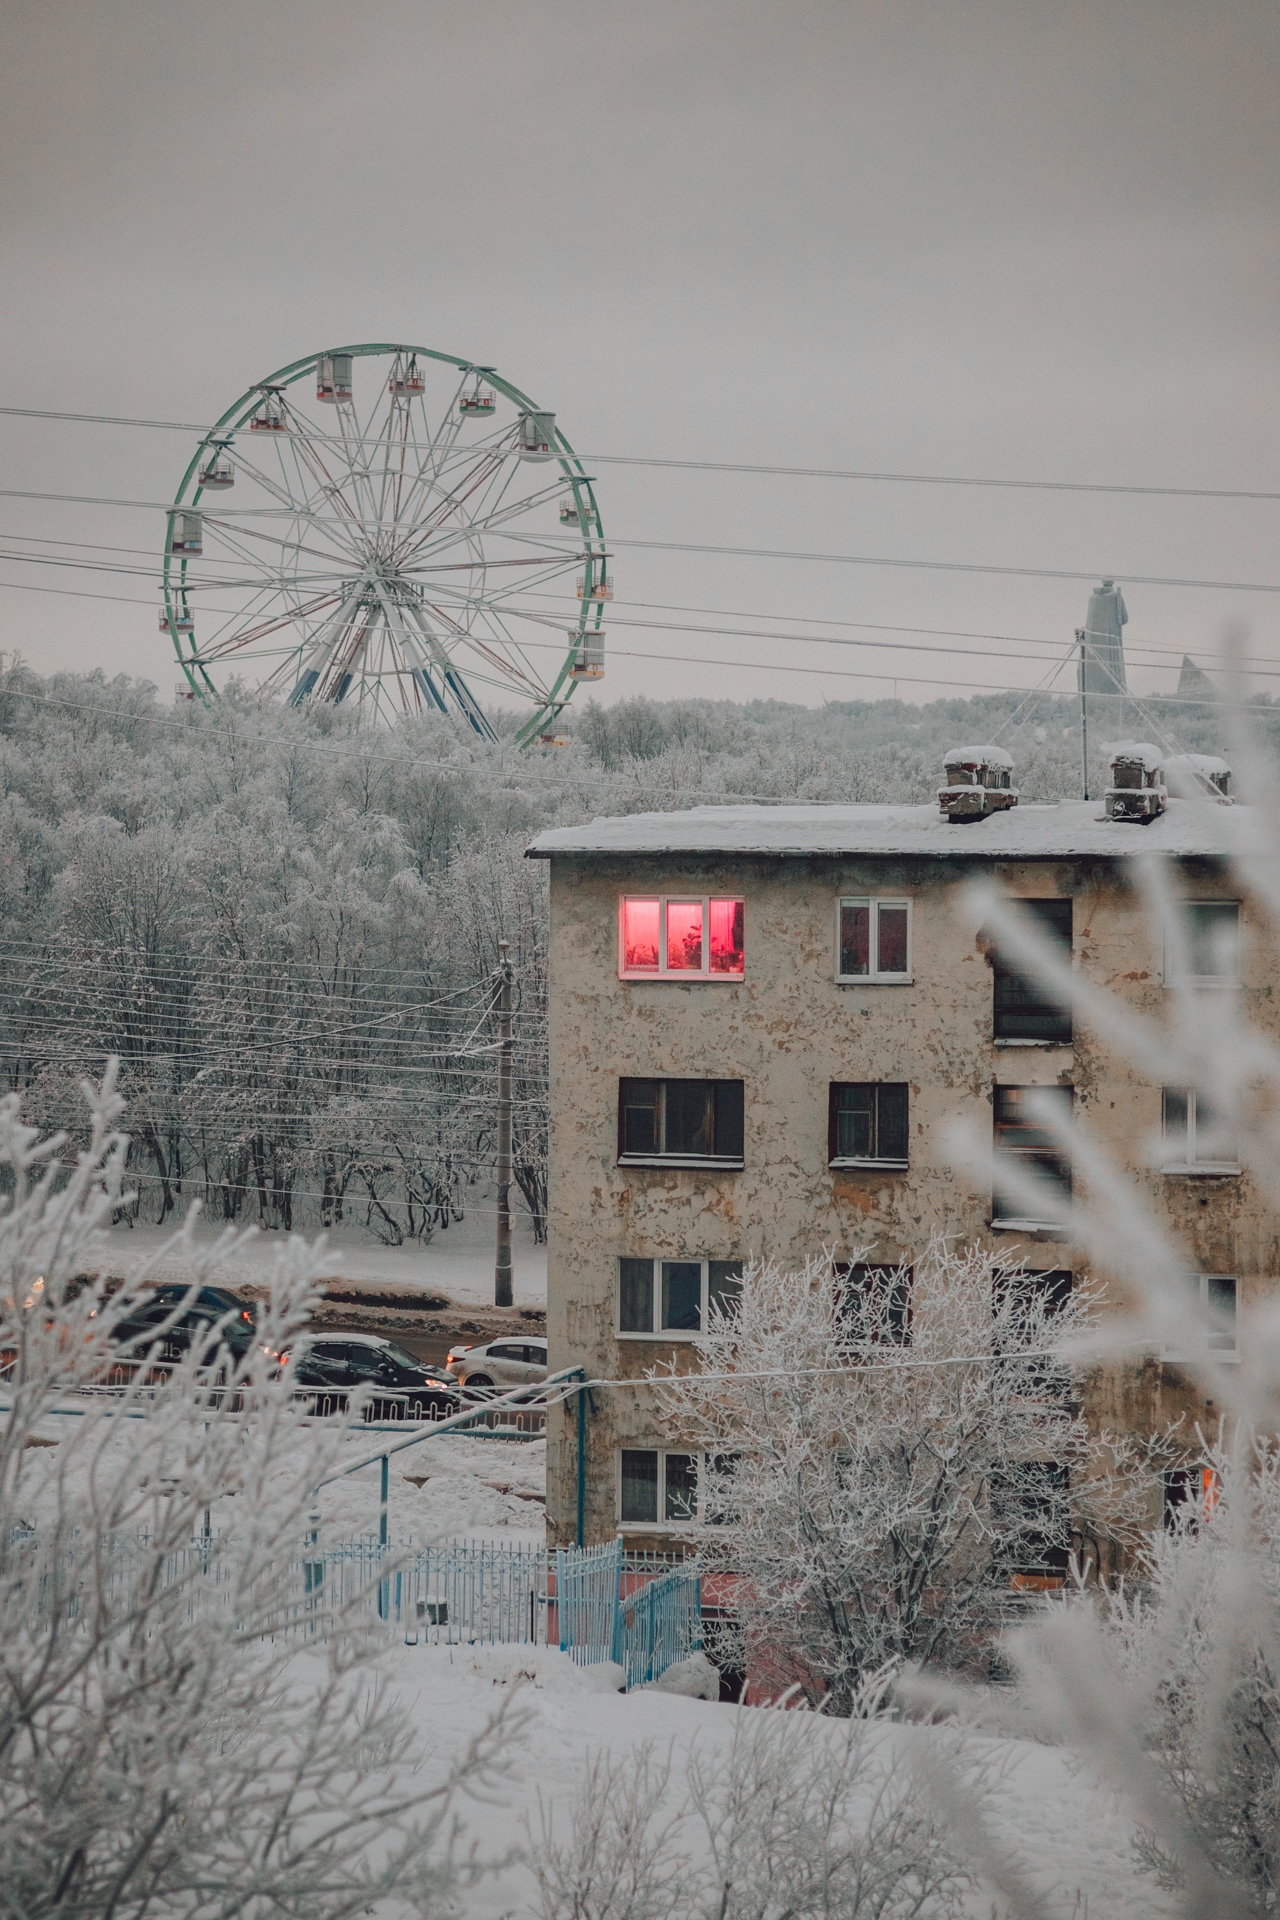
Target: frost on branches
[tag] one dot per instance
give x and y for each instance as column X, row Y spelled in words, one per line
column 159, row 1750
column 889, row 1455
column 794, row 1820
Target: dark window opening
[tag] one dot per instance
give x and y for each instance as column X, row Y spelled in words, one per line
column 724, row 1285
column 867, row 1120
column 681, row 1119
column 1040, row 1376
column 639, row 1486
column 682, row 1295
column 1190, row 1495
column 1024, row 1140
column 1025, row 1008
column 1033, row 1514
column 877, row 1301
column 635, row 1296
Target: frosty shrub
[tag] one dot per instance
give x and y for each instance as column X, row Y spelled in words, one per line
column 166, row 1746
column 876, row 1499
column 796, row 1819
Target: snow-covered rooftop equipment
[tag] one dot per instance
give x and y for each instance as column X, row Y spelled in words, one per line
column 979, row 782
column 1199, row 776
column 333, row 377
column 536, row 436
column 1137, row 789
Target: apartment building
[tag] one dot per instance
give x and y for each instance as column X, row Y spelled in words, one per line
column 766, row 1023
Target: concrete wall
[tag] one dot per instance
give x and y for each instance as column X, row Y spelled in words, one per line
column 788, row 1029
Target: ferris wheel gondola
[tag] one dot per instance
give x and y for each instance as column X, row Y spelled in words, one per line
column 381, row 552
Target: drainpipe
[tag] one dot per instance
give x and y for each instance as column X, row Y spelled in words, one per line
column 582, row 1458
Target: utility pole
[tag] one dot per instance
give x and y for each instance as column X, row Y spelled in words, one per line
column 502, row 1266
column 1084, row 714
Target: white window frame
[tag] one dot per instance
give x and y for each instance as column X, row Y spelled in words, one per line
column 661, row 1526
column 1211, row 980
column 666, row 1334
column 1227, row 1356
column 1189, row 1165
column 679, row 973
column 875, row 978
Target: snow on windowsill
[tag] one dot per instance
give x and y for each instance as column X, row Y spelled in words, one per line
column 1054, row 1227
column 875, row 1166
column 1061, row 1046
column 875, row 980
column 669, row 1336
column 1207, row 1170
column 683, row 977
column 678, row 1160
column 1225, row 1359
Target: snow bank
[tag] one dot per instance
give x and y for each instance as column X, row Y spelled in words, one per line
column 693, row 1679
column 544, row 1668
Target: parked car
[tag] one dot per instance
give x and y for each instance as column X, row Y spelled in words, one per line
column 210, row 1317
column 500, row 1363
column 329, row 1369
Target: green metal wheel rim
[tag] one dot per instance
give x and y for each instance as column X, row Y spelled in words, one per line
column 436, row 649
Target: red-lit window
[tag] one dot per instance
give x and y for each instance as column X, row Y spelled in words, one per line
column 681, row 936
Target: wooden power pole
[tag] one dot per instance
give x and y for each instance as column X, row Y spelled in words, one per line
column 1084, row 714
column 502, row 1266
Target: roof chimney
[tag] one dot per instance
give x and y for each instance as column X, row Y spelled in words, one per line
column 979, row 782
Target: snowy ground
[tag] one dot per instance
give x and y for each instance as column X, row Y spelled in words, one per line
column 457, row 1263
column 1072, row 1840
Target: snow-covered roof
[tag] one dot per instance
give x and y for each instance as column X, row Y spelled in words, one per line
column 976, row 757
column 1029, row 832
column 1140, row 752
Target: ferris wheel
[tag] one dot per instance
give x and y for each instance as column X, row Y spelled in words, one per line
column 421, row 537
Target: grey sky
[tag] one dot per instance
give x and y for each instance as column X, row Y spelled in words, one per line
column 1012, row 240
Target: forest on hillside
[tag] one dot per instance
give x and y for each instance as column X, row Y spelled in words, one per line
column 286, row 923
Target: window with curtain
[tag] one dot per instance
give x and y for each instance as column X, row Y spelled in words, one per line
column 681, row 937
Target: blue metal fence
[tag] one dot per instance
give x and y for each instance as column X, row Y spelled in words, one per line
column 595, row 1603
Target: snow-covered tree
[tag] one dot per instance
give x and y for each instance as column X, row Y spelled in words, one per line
column 795, row 1820
column 887, row 1453
column 184, row 1729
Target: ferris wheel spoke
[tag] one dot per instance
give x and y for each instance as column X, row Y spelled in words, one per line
column 450, row 501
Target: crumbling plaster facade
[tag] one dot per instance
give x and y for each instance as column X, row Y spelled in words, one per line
column 788, row 1029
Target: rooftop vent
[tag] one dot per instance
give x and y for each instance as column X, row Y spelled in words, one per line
column 1199, row 776
column 979, row 782
column 1137, row 789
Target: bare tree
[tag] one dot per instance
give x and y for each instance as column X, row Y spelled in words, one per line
column 886, row 1453
column 184, row 1728
column 797, row 1819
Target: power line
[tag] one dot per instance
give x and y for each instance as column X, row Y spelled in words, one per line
column 1135, row 651
column 770, row 553
column 933, row 566
column 740, row 466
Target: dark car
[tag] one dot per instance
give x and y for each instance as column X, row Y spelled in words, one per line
column 210, row 1316
column 329, row 1370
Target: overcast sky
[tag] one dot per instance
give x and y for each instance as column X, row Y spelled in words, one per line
column 1011, row 240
